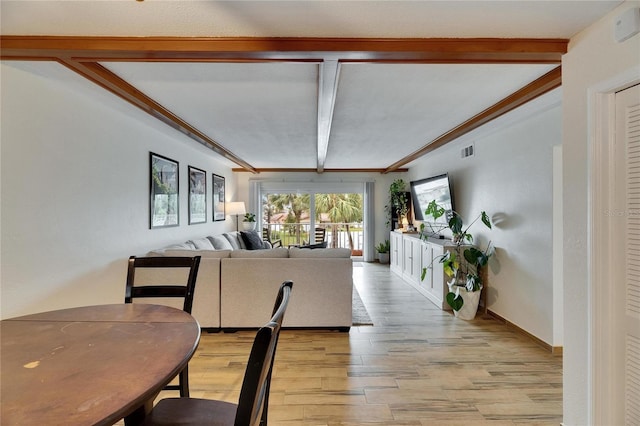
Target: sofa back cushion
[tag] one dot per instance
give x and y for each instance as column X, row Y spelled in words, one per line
column 278, row 253
column 220, row 242
column 234, row 239
column 182, row 246
column 209, row 254
column 325, row 253
column 202, row 244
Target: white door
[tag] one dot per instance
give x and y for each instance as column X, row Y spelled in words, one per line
column 626, row 259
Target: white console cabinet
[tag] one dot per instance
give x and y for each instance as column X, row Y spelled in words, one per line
column 410, row 254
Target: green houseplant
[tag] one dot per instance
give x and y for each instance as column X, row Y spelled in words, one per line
column 464, row 263
column 398, row 201
column 249, row 222
column 383, row 250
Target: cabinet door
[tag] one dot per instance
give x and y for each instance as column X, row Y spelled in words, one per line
column 427, row 258
column 416, row 259
column 435, row 281
column 396, row 252
column 439, row 277
column 411, row 261
column 406, row 258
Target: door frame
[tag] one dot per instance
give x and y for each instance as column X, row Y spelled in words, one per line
column 601, row 139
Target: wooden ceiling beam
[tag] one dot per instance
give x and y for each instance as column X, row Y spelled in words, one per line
column 111, row 82
column 429, row 50
column 542, row 85
column 309, row 170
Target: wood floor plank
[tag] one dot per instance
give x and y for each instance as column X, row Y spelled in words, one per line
column 417, row 365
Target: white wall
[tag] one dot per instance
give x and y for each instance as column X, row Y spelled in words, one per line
column 75, row 189
column 594, row 58
column 510, row 177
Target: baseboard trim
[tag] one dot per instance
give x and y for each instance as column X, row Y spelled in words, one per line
column 554, row 350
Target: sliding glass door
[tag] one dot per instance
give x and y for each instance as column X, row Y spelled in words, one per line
column 341, row 215
column 330, row 215
column 286, row 217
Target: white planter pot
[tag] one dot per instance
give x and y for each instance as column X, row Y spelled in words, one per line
column 248, row 226
column 470, row 306
column 383, row 257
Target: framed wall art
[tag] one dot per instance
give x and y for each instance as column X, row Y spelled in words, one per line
column 164, row 192
column 218, row 198
column 197, row 196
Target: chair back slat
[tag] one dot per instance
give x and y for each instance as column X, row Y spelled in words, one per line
column 254, row 395
column 320, row 234
column 185, row 291
column 266, row 236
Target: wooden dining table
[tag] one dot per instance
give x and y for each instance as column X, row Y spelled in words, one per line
column 92, row 365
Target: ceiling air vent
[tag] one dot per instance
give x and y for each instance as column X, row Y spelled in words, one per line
column 468, row 151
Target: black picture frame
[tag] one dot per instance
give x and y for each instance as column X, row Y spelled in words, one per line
column 164, row 192
column 218, row 197
column 197, row 196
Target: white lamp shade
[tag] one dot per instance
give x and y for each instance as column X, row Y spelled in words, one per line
column 235, row 208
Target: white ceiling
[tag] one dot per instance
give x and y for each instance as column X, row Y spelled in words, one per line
column 266, row 113
column 301, row 18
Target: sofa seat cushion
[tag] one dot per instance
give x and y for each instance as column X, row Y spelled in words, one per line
column 296, row 252
column 220, row 242
column 276, row 253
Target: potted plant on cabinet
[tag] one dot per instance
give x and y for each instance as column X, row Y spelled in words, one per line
column 383, row 250
column 249, row 222
column 398, row 202
column 463, row 264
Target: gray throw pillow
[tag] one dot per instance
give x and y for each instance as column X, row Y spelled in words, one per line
column 220, row 243
column 252, row 240
column 202, row 244
column 231, row 237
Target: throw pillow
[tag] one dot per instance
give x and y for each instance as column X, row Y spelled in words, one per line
column 202, row 244
column 183, row 246
column 220, row 243
column 252, row 240
column 234, row 239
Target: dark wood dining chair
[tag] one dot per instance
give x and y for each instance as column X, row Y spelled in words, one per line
column 320, row 235
column 266, row 235
column 157, row 289
column 253, row 403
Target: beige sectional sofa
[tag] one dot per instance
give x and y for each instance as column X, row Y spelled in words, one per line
column 236, row 288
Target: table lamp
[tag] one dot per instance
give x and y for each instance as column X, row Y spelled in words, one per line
column 235, row 208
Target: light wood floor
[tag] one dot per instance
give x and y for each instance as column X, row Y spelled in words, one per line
column 416, row 366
